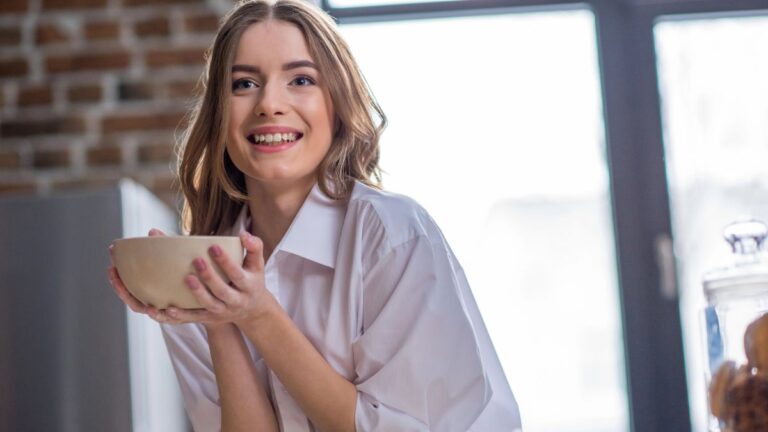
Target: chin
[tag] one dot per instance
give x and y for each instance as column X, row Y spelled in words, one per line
column 281, row 177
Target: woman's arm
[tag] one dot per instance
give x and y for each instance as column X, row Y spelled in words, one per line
column 239, row 384
column 326, row 397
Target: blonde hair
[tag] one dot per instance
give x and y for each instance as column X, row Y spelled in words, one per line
column 214, row 189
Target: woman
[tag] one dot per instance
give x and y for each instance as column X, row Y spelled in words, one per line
column 349, row 312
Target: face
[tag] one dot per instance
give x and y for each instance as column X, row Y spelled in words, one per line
column 281, row 113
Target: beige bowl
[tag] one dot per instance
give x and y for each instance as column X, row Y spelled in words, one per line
column 153, row 268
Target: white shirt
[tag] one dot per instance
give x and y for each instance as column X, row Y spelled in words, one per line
column 375, row 288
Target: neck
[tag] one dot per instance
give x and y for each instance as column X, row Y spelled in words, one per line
column 273, row 207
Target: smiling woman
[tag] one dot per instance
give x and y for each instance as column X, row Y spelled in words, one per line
column 350, row 311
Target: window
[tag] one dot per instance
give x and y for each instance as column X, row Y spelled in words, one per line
column 495, row 126
column 712, row 74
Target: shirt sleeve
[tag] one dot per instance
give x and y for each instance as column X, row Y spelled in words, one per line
column 187, row 346
column 417, row 360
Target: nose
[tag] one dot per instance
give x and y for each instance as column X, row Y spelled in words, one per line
column 271, row 101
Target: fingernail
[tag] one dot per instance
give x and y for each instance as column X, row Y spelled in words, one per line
column 199, row 264
column 216, row 250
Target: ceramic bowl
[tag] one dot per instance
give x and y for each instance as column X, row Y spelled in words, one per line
column 153, row 268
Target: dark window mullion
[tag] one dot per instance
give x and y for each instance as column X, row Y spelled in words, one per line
column 652, row 331
column 680, row 8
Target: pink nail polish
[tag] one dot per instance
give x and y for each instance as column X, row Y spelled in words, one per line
column 216, row 250
column 199, row 264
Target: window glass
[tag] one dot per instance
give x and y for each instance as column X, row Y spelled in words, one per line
column 495, row 126
column 712, row 78
column 360, row 3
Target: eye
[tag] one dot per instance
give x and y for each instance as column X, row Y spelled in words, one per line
column 238, row 84
column 303, row 81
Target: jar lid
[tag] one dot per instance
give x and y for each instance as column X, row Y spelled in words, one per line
column 748, row 271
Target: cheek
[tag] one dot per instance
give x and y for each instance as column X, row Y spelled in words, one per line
column 236, row 114
column 324, row 115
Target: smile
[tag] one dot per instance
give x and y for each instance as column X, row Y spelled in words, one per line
column 273, row 140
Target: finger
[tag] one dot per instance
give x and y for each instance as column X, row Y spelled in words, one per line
column 232, row 270
column 154, row 232
column 182, row 316
column 206, row 299
column 254, row 252
column 133, row 303
column 162, row 316
column 159, row 315
column 218, row 288
column 112, row 253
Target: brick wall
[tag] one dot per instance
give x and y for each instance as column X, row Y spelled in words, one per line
column 94, row 90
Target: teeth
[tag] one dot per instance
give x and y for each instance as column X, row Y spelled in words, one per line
column 272, row 139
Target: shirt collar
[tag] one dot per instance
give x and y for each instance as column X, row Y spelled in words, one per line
column 315, row 231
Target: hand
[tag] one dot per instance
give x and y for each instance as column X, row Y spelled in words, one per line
column 133, row 303
column 244, row 299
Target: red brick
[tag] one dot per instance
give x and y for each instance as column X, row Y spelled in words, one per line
column 104, row 155
column 181, row 89
column 51, row 33
column 202, row 23
column 35, row 95
column 81, row 61
column 141, row 122
column 174, row 57
column 157, row 26
column 165, row 182
column 73, row 4
column 12, row 187
column 32, row 127
column 102, row 30
column 8, row 6
column 136, row 90
column 10, row 36
column 157, row 152
column 13, row 68
column 51, row 158
column 10, row 160
column 158, row 2
column 84, row 93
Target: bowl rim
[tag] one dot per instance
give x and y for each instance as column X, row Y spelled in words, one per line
column 174, row 237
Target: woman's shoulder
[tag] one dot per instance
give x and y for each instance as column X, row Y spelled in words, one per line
column 400, row 217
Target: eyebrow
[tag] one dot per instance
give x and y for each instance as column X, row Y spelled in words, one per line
column 288, row 66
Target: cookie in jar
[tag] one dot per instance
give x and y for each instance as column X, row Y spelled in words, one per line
column 738, row 394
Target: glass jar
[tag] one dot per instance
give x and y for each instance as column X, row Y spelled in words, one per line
column 736, row 331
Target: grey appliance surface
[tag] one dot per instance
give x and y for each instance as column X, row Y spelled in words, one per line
column 65, row 361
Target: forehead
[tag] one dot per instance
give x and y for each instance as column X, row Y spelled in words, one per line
column 271, row 42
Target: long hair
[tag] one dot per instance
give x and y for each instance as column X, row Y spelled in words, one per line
column 213, row 187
